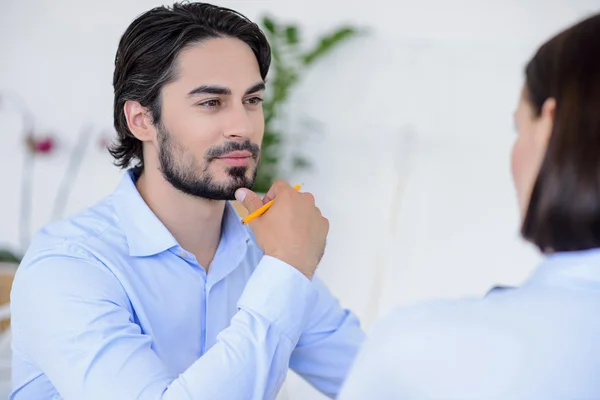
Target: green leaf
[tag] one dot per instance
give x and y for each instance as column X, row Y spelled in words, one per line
column 291, row 35
column 285, row 78
column 275, row 51
column 9, row 257
column 271, row 138
column 300, row 162
column 269, row 25
column 265, row 177
column 289, row 63
column 328, row 43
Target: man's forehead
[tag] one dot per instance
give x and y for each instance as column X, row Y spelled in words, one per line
column 218, row 61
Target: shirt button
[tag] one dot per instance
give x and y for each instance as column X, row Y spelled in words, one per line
column 182, row 254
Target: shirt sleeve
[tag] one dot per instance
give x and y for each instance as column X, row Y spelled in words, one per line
column 327, row 347
column 72, row 318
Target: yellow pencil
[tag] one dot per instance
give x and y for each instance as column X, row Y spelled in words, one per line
column 262, row 210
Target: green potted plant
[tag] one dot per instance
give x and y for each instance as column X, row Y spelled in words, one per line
column 289, row 61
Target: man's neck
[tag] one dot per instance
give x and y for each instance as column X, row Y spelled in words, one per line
column 194, row 222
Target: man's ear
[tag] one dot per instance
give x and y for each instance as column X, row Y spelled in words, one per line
column 139, row 121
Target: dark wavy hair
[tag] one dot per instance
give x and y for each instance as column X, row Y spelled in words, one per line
column 148, row 50
column 564, row 209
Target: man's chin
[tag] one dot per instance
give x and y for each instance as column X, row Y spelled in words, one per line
column 234, row 177
column 225, row 190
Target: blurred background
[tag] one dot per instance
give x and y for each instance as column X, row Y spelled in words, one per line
column 402, row 131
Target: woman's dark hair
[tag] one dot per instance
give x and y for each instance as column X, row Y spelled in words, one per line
column 147, row 52
column 564, row 209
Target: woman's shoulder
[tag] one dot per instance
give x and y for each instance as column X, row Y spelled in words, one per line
column 433, row 346
column 446, row 328
column 431, row 312
column 511, row 343
column 496, row 303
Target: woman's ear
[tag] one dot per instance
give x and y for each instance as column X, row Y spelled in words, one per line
column 546, row 120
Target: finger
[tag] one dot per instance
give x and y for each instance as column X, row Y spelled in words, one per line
column 277, row 187
column 248, row 199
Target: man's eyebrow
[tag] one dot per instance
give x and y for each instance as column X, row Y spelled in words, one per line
column 209, row 89
column 256, row 88
column 221, row 90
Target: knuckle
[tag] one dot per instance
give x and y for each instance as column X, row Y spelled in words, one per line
column 309, row 197
column 318, row 210
column 275, row 187
column 280, row 183
column 281, row 187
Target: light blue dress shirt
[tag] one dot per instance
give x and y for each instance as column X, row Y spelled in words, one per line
column 538, row 341
column 107, row 305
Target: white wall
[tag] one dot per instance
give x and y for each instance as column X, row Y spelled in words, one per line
column 412, row 167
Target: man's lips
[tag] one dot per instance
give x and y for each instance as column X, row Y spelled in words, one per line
column 236, row 158
column 237, row 154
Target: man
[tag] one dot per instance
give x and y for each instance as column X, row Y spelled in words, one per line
column 159, row 291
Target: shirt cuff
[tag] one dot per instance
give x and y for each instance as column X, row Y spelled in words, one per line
column 281, row 294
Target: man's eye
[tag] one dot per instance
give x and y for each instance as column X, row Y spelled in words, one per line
column 210, row 104
column 254, row 101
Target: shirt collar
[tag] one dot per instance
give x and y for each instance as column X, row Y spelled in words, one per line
column 573, row 268
column 232, row 229
column 146, row 234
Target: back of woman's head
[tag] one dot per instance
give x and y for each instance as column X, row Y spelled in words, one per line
column 564, row 207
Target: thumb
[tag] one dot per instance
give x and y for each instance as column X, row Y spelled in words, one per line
column 249, row 199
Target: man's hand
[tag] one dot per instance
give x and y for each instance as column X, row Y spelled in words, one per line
column 292, row 230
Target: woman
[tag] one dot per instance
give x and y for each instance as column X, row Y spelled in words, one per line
column 542, row 340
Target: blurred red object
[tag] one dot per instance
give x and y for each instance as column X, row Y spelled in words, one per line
column 43, row 145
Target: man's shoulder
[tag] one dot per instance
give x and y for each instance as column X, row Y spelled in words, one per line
column 79, row 235
column 73, row 254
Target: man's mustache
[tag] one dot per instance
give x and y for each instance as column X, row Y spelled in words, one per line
column 228, row 147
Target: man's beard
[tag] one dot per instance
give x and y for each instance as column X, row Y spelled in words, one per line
column 180, row 168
